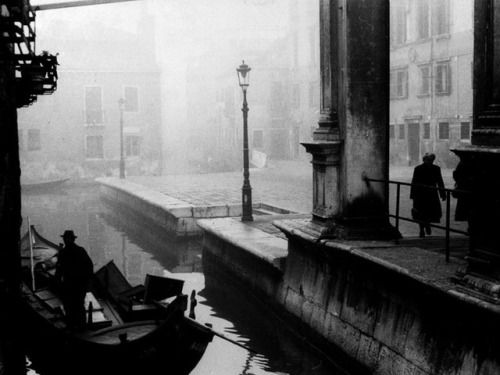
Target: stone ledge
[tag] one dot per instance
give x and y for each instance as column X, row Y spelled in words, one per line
column 175, row 206
column 426, row 267
column 267, row 247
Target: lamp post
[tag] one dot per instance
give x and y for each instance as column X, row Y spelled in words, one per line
column 243, row 79
column 121, row 102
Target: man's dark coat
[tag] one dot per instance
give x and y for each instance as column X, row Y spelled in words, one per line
column 426, row 201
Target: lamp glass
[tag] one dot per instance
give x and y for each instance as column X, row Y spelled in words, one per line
column 244, row 75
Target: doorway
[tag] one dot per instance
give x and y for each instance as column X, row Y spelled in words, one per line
column 414, row 143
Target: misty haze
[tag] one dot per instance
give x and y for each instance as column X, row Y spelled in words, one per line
column 161, row 158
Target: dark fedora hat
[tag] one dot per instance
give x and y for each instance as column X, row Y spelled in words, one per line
column 69, row 234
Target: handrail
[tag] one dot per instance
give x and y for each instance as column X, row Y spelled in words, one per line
column 397, row 216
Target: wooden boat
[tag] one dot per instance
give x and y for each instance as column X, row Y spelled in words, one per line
column 41, row 249
column 42, row 186
column 129, row 330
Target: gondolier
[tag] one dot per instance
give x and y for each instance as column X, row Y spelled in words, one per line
column 74, row 272
column 129, row 329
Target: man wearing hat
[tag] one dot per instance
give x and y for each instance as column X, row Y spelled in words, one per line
column 74, row 272
column 426, row 205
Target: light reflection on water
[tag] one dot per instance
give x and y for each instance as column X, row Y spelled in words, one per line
column 111, row 235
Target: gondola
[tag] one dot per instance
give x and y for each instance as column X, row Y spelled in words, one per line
column 43, row 186
column 130, row 330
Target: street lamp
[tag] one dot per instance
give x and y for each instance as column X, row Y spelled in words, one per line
column 121, row 103
column 243, row 79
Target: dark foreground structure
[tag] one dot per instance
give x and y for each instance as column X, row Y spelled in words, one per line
column 340, row 279
column 393, row 311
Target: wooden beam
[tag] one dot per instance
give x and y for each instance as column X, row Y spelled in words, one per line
column 72, row 4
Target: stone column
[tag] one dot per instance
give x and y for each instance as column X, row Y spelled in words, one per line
column 351, row 142
column 326, row 145
column 364, row 119
column 479, row 167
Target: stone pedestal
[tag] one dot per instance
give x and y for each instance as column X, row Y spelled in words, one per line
column 481, row 277
column 479, row 167
column 351, row 142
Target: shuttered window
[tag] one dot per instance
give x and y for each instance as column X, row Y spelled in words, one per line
column 443, row 78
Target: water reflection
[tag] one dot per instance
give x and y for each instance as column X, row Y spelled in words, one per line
column 110, row 234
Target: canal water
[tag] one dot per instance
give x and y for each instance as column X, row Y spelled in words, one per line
column 110, row 234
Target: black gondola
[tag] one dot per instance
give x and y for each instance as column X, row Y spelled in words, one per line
column 129, row 330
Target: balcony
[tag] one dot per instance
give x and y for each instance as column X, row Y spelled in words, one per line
column 34, row 74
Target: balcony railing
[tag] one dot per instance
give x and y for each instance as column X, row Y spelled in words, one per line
column 397, row 216
column 34, row 74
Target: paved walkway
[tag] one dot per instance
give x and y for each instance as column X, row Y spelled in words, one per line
column 288, row 185
column 284, row 184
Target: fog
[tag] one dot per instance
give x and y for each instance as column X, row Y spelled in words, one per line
column 175, row 61
column 179, row 54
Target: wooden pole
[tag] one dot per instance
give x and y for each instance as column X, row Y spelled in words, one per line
column 208, row 327
column 32, row 264
column 72, row 4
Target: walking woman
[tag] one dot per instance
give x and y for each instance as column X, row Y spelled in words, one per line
column 426, row 205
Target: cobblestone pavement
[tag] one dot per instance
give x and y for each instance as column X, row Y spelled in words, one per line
column 285, row 184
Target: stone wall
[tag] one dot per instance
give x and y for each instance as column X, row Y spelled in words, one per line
column 374, row 317
column 389, row 321
column 169, row 213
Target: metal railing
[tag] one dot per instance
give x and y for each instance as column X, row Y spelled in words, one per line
column 398, row 217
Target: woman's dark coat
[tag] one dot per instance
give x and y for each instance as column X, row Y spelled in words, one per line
column 426, row 201
column 463, row 176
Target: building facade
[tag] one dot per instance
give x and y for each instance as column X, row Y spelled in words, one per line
column 214, row 101
column 430, row 79
column 76, row 132
column 304, row 63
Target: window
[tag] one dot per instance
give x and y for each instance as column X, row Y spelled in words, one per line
column 402, row 131
column 313, row 94
column 423, row 19
column 132, row 145
column 94, row 147
column 443, row 78
column 131, row 95
column 444, row 130
column 258, row 139
column 398, row 24
column 427, row 131
column 399, row 83
column 464, row 130
column 392, row 131
column 296, row 96
column 440, row 17
column 93, row 106
column 276, row 96
column 425, row 80
column 433, row 18
column 34, row 140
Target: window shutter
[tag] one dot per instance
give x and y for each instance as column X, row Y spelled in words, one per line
column 448, row 79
